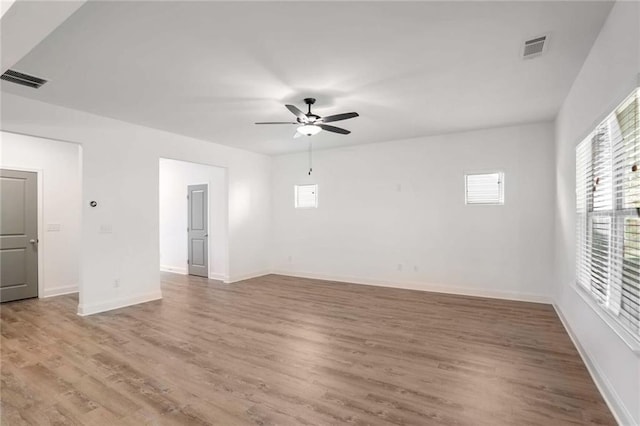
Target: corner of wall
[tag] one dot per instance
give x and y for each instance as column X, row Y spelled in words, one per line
column 59, row 291
column 243, row 277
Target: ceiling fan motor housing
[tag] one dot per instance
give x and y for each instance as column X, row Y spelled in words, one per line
column 312, row 118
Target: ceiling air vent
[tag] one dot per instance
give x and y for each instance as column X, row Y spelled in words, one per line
column 22, row 79
column 534, row 47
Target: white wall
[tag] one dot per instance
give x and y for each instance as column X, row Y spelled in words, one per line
column 402, row 202
column 175, row 176
column 607, row 77
column 59, row 204
column 120, row 171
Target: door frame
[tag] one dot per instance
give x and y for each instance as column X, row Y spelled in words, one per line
column 40, row 213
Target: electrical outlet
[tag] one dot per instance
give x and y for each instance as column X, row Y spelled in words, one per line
column 116, row 283
column 415, row 268
column 399, row 266
column 290, row 259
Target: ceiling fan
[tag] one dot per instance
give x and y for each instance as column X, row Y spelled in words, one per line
column 310, row 124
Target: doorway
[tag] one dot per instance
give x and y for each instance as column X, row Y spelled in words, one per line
column 193, row 219
column 18, row 235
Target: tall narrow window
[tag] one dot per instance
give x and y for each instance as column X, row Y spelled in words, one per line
column 608, row 214
column 484, row 188
column 306, row 196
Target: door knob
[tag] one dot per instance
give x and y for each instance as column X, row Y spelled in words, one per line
column 33, row 241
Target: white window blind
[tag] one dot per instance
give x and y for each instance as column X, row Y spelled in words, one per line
column 306, row 196
column 608, row 214
column 484, row 188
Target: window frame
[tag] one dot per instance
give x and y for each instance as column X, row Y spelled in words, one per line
column 500, row 173
column 295, row 196
column 613, row 207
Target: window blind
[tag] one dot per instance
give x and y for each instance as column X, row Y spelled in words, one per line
column 608, row 213
column 306, row 196
column 484, row 188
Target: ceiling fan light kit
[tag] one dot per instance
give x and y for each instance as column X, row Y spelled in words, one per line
column 309, row 130
column 310, row 124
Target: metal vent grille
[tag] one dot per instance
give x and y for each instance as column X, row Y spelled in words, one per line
column 23, row 79
column 534, row 47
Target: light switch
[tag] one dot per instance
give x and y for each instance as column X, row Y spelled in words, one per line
column 106, row 229
column 53, row 227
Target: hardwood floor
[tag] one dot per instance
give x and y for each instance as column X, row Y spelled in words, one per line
column 282, row 350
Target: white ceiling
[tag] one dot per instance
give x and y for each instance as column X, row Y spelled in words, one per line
column 210, row 69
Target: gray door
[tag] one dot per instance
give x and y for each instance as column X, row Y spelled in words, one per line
column 198, row 230
column 18, row 235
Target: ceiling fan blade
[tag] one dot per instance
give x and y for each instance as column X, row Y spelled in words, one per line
column 338, row 117
column 333, row 129
column 301, row 115
column 277, row 122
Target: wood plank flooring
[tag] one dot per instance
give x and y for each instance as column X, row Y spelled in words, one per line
column 282, row 350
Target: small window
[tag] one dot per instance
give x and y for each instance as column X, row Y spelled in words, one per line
column 306, row 196
column 484, row 188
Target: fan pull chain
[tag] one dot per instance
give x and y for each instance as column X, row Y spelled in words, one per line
column 310, row 159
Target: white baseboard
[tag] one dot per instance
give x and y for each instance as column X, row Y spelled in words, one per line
column 216, row 276
column 183, row 271
column 617, row 407
column 94, row 308
column 59, row 291
column 242, row 277
column 422, row 286
column 175, row 269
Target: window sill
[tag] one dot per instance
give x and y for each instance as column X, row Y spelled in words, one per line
column 629, row 339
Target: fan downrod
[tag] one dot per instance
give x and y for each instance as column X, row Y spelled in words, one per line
column 309, row 102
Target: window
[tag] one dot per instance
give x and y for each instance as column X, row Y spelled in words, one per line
column 608, row 214
column 306, row 196
column 484, row 188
